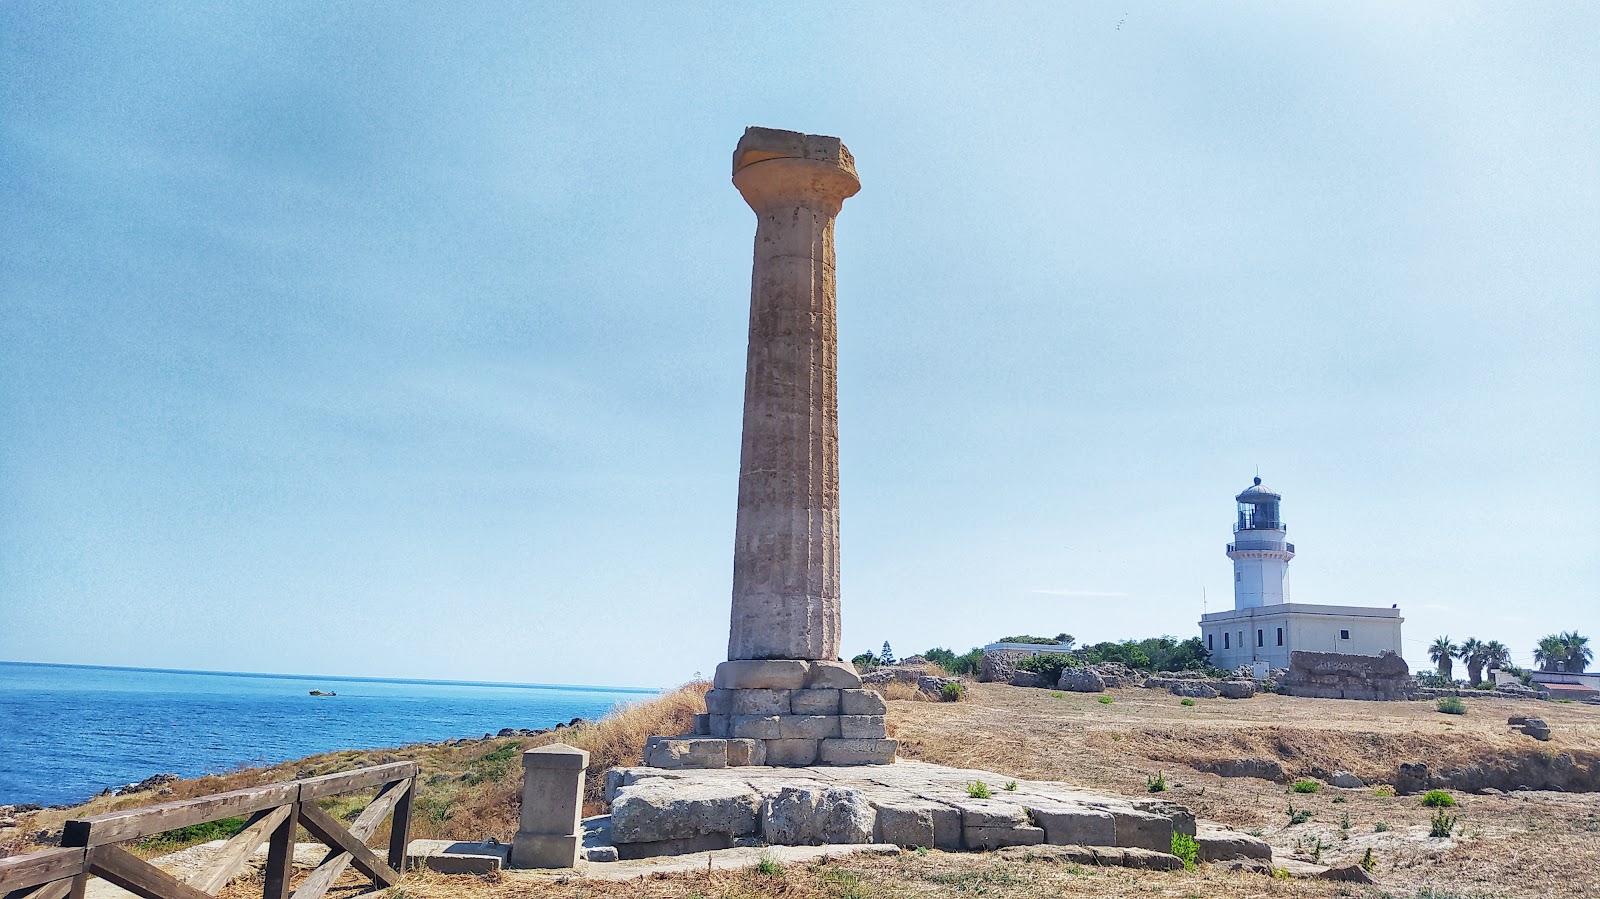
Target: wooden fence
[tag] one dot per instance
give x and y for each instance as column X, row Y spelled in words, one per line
column 274, row 814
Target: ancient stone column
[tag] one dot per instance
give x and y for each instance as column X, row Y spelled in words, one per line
column 786, row 544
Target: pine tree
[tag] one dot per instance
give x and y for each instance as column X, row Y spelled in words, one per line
column 887, row 657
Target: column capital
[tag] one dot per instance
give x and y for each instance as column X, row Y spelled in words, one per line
column 772, row 166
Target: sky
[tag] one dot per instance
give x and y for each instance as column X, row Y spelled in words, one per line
column 408, row 339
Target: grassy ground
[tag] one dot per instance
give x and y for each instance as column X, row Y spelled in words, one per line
column 1524, row 844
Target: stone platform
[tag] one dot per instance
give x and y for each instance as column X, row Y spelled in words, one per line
column 782, row 713
column 909, row 804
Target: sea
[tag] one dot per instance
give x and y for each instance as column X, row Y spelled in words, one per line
column 68, row 732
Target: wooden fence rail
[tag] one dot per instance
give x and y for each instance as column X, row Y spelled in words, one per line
column 274, row 814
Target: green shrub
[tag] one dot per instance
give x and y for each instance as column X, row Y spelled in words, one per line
column 1186, row 701
column 1057, row 640
column 953, row 692
column 1441, row 824
column 1438, row 799
column 1049, row 665
column 493, row 765
column 1452, row 705
column 969, row 662
column 1011, row 786
column 1186, row 848
column 769, row 866
column 1298, row 816
column 977, row 789
column 1368, row 863
column 1337, row 800
column 1305, row 786
column 1383, row 790
column 865, row 662
column 1380, row 827
column 1057, row 694
column 1104, row 700
column 220, row 829
column 1156, row 783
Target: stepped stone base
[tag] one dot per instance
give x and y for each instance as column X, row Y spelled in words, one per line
column 782, row 713
column 910, row 804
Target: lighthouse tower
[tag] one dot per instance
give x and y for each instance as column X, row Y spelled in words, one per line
column 1259, row 551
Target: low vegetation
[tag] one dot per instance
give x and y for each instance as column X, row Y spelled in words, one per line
column 977, row 789
column 1452, row 705
column 1441, row 824
column 1156, row 783
column 1187, row 848
column 1438, row 799
column 1305, row 786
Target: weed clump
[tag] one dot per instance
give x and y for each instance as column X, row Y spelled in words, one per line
column 977, row 789
column 1305, row 786
column 1156, row 783
column 1104, row 700
column 1452, row 705
column 1438, row 799
column 1441, row 824
column 1186, row 701
column 954, row 691
column 1186, row 848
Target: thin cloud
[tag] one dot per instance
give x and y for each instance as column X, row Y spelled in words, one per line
column 1083, row 594
column 1434, row 605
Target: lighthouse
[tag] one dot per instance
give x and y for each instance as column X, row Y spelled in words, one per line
column 1259, row 550
column 1265, row 624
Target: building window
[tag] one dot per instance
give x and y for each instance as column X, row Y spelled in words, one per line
column 1280, row 636
column 1224, row 641
column 1261, row 637
column 1344, row 635
column 1211, row 643
column 1238, row 576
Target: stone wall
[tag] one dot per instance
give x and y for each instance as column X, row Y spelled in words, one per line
column 1335, row 675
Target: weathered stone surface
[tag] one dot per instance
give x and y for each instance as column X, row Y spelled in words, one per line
column 1197, row 689
column 457, row 857
column 996, row 837
column 1346, row 780
column 1266, row 769
column 1219, row 843
column 1075, row 825
column 856, row 752
column 990, row 813
column 660, row 809
column 863, row 727
column 1029, row 679
column 769, row 674
column 755, row 727
column 1099, row 856
column 808, row 727
column 1334, row 675
column 747, row 752
column 1237, row 689
column 1351, row 873
column 802, row 816
column 827, row 675
column 814, row 702
column 706, row 842
column 1142, row 830
column 862, row 702
column 1080, row 680
column 761, row 702
column 1412, row 778
column 719, row 725
column 1183, row 820
column 719, row 702
column 792, row 753
column 910, row 822
column 786, row 543
column 685, row 752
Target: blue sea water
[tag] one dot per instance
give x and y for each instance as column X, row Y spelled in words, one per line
column 68, row 731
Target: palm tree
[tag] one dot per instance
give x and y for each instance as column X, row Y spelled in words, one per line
column 1579, row 655
column 1496, row 654
column 1551, row 653
column 1443, row 654
column 1471, row 652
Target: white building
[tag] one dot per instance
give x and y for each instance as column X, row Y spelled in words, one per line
column 1264, row 625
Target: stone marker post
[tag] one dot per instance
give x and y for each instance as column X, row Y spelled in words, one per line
column 549, row 835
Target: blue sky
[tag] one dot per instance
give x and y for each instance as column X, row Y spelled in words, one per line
column 401, row 340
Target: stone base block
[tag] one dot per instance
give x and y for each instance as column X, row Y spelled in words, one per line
column 705, row 842
column 996, row 837
column 1075, row 825
column 832, row 676
column 863, row 727
column 533, row 850
column 1221, row 844
column 1143, row 830
column 911, row 823
column 685, row 752
column 862, row 702
column 455, row 857
column 795, row 753
column 853, row 752
column 765, row 674
column 747, row 752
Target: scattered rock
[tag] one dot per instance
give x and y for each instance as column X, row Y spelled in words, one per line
column 1219, row 843
column 8, row 823
column 1346, row 780
column 1337, row 675
column 1266, row 769
column 1080, row 680
column 1248, row 866
column 154, row 781
column 1351, row 873
column 1029, row 679
column 1195, row 689
column 809, row 816
column 1412, row 778
column 1237, row 689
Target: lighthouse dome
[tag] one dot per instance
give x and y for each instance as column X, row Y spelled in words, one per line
column 1258, row 493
